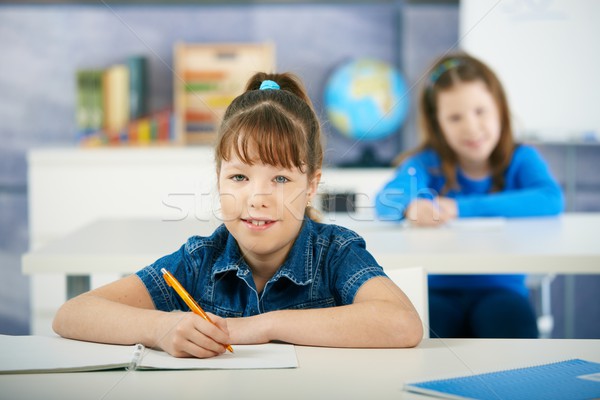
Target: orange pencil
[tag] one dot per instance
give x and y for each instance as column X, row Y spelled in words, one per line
column 195, row 307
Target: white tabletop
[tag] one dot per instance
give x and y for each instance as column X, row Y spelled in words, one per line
column 323, row 373
column 566, row 244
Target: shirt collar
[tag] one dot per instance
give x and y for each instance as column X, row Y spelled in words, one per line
column 297, row 267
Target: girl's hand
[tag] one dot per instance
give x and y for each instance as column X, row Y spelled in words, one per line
column 424, row 212
column 185, row 334
column 448, row 207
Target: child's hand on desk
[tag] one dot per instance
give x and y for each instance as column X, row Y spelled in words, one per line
column 448, row 207
column 424, row 212
column 185, row 334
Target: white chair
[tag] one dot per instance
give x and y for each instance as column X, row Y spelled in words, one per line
column 541, row 283
column 413, row 282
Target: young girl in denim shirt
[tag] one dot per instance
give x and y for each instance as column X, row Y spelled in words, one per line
column 270, row 272
column 469, row 166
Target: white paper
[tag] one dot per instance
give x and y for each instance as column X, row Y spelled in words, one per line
column 31, row 354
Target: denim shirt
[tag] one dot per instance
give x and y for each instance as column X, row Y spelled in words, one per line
column 325, row 268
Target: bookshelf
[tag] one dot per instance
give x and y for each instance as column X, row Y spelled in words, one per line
column 207, row 77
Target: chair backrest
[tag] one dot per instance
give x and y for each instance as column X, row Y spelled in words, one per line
column 413, row 282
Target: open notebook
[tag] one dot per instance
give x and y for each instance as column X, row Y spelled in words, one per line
column 569, row 379
column 35, row 354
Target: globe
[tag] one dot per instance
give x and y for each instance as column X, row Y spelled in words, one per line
column 366, row 99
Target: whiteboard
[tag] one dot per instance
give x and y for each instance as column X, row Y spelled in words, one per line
column 547, row 55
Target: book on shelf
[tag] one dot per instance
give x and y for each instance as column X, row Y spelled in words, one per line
column 116, row 99
column 90, row 103
column 42, row 354
column 143, row 131
column 138, row 86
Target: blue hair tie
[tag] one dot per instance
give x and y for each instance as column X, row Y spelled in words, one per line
column 269, row 85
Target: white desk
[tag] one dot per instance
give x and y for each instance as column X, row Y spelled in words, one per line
column 107, row 249
column 323, row 373
column 567, row 244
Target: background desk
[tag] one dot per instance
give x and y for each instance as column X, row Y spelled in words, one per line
column 323, row 373
column 566, row 244
column 108, row 249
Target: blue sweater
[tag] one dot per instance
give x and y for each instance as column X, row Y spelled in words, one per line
column 530, row 190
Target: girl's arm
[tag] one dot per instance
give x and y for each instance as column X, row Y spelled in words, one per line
column 534, row 202
column 122, row 312
column 381, row 316
column 411, row 180
column 532, row 191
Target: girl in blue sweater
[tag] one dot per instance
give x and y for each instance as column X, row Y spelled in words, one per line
column 468, row 165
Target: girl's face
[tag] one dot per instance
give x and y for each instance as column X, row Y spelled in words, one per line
column 470, row 122
column 263, row 207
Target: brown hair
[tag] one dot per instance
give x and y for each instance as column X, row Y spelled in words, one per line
column 280, row 125
column 445, row 73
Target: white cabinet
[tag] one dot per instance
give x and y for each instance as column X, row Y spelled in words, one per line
column 69, row 188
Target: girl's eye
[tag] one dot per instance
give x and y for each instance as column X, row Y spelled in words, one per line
column 480, row 111
column 454, row 118
column 238, row 178
column 281, row 179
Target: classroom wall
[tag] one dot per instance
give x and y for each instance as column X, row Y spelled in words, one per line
column 42, row 46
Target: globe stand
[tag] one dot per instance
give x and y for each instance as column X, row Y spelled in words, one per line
column 367, row 159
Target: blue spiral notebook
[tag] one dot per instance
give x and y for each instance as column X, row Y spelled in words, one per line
column 570, row 379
